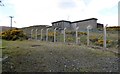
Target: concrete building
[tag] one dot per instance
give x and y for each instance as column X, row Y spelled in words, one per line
column 62, row 24
column 82, row 24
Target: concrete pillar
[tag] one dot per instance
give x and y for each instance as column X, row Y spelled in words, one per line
column 104, row 38
column 55, row 35
column 64, row 34
column 47, row 34
column 77, row 35
column 36, row 33
column 31, row 34
column 41, row 34
column 88, row 39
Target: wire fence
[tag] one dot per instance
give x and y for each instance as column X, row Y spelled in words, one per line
column 95, row 37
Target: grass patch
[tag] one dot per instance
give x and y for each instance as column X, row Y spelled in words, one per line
column 37, row 56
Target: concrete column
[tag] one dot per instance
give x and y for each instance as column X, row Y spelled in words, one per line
column 47, row 34
column 41, row 34
column 104, row 43
column 88, row 34
column 36, row 33
column 55, row 35
column 31, row 34
column 64, row 34
column 88, row 37
column 77, row 35
column 11, row 21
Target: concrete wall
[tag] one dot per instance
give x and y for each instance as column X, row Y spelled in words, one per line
column 83, row 25
column 67, row 25
column 72, row 25
column 62, row 25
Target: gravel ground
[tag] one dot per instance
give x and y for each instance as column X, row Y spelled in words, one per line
column 36, row 56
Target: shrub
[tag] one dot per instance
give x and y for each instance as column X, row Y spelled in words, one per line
column 51, row 34
column 82, row 33
column 99, row 41
column 69, row 39
column 93, row 39
column 13, row 34
column 113, row 28
column 79, row 33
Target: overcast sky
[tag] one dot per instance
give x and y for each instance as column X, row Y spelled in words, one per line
column 43, row 12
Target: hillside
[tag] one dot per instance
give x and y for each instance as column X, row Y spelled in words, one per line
column 4, row 28
column 27, row 30
column 39, row 56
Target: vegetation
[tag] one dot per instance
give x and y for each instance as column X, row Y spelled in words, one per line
column 27, row 30
column 40, row 56
column 13, row 34
column 99, row 41
column 69, row 39
column 113, row 28
column 79, row 33
column 96, row 37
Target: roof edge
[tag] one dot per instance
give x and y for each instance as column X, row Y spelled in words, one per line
column 61, row 21
column 75, row 21
column 85, row 20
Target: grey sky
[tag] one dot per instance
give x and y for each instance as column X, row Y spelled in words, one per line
column 67, row 4
column 27, row 12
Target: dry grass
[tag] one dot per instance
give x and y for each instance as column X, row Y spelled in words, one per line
column 37, row 56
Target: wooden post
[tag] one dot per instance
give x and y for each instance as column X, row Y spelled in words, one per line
column 47, row 34
column 36, row 33
column 31, row 33
column 77, row 35
column 64, row 34
column 104, row 43
column 41, row 34
column 55, row 35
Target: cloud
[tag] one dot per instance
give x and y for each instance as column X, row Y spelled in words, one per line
column 66, row 4
column 94, row 8
column 43, row 12
column 4, row 21
column 32, row 12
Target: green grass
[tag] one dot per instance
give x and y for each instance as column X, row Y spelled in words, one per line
column 37, row 56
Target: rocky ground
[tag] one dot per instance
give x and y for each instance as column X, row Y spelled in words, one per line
column 36, row 56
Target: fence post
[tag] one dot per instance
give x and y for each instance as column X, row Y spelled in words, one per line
column 55, row 35
column 104, row 43
column 77, row 35
column 64, row 34
column 31, row 33
column 47, row 34
column 41, row 34
column 36, row 33
column 88, row 34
